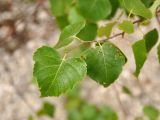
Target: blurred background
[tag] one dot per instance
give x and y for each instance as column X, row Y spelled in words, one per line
column 26, row 25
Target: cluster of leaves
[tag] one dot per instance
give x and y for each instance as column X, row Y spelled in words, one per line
column 79, row 109
column 101, row 60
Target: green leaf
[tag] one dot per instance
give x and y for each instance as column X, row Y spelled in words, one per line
column 158, row 52
column 151, row 39
column 78, row 52
column 126, row 90
column 115, row 6
column 68, row 33
column 151, row 112
column 74, row 16
column 126, row 26
column 153, row 8
column 47, row 109
column 147, row 3
column 142, row 47
column 89, row 32
column 94, row 10
column 106, row 30
column 55, row 75
column 140, row 54
column 88, row 112
column 57, row 7
column 74, row 114
column 62, row 21
column 137, row 7
column 108, row 113
column 104, row 63
column 30, row 117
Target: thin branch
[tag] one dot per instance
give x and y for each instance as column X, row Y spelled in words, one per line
column 119, row 34
column 122, row 33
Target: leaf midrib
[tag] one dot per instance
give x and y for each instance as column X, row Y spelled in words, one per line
column 56, row 74
column 104, row 61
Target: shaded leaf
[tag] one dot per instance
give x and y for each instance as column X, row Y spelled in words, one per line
column 151, row 39
column 147, row 3
column 68, row 33
column 106, row 30
column 108, row 113
column 151, row 112
column 137, row 7
column 89, row 32
column 88, row 112
column 94, row 10
column 55, row 75
column 126, row 90
column 126, row 26
column 62, row 21
column 47, row 109
column 115, row 6
column 142, row 47
column 104, row 63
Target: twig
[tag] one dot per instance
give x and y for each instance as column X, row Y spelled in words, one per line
column 119, row 34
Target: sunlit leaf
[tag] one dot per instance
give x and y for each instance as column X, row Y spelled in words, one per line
column 68, row 34
column 153, row 8
column 137, row 7
column 127, row 26
column 74, row 16
column 106, row 30
column 59, row 7
column 55, row 75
